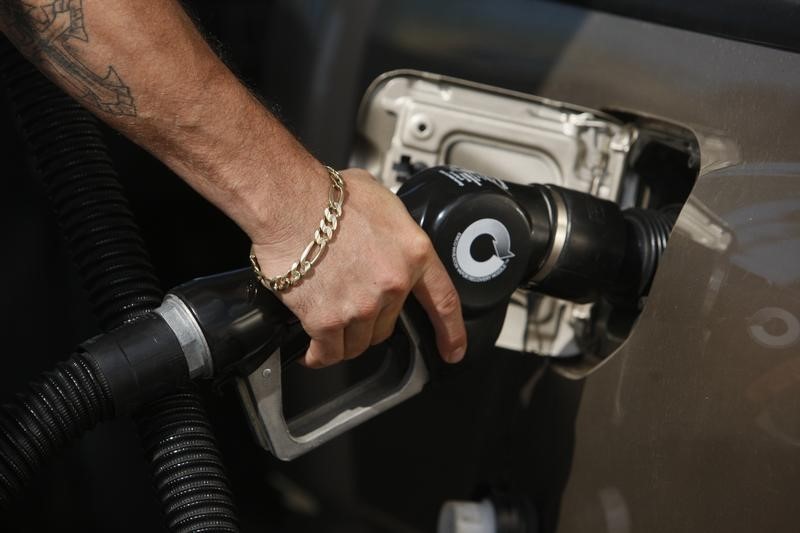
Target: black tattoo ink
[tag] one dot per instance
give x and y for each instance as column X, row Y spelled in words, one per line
column 48, row 30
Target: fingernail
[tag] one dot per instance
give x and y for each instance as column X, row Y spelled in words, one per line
column 457, row 355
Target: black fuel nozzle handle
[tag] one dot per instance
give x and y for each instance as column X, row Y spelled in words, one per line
column 204, row 328
column 230, row 324
column 226, row 320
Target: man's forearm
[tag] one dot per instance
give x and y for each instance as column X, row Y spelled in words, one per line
column 142, row 66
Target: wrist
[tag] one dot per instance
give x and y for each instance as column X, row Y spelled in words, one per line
column 312, row 251
column 281, row 216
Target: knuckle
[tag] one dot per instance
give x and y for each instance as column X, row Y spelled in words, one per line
column 394, row 283
column 365, row 310
column 458, row 340
column 448, row 304
column 326, row 325
column 420, row 247
column 450, row 341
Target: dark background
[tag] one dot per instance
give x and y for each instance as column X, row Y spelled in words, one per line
column 311, row 61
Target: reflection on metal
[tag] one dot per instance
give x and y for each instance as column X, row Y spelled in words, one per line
column 717, row 151
column 788, row 329
column 768, row 238
column 766, row 421
column 776, row 395
column 559, row 238
column 702, row 226
column 618, row 518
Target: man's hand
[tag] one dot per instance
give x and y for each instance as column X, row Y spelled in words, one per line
column 353, row 296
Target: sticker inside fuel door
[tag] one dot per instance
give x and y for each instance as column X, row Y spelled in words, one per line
column 473, row 269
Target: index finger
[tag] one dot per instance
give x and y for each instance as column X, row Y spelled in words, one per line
column 437, row 295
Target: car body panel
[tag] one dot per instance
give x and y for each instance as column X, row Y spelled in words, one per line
column 688, row 426
column 691, row 425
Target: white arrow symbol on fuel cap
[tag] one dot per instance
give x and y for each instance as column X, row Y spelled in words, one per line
column 473, row 269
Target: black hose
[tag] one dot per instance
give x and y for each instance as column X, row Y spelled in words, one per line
column 67, row 401
column 650, row 230
column 70, row 157
column 194, row 493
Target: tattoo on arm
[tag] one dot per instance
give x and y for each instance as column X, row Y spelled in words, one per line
column 49, row 30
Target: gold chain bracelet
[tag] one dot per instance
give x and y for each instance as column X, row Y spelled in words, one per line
column 312, row 252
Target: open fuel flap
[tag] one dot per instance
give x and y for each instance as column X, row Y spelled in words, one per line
column 413, row 120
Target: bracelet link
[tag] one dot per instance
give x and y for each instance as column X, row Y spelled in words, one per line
column 313, row 251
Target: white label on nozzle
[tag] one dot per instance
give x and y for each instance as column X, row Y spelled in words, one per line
column 460, row 177
column 480, row 271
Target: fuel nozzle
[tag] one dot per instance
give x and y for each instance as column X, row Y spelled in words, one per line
column 205, row 328
column 225, row 320
column 495, row 237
